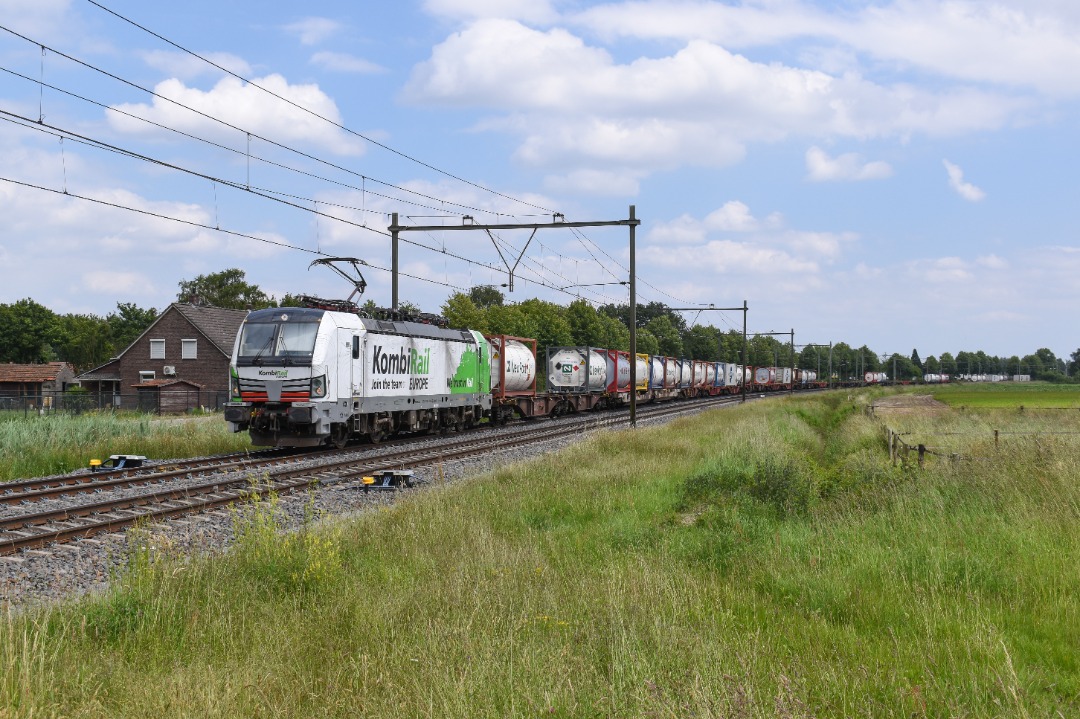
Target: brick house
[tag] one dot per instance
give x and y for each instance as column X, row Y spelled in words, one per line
column 185, row 342
column 34, row 384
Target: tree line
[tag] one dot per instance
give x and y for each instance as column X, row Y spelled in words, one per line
column 31, row 333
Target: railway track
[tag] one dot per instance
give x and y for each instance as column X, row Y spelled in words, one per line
column 237, row 478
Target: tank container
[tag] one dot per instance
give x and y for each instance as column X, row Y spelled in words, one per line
column 518, row 361
column 577, row 369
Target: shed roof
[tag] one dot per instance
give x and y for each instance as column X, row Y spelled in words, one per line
column 32, row 372
column 167, row 382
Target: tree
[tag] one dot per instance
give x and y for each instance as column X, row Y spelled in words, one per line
column 667, row 335
column 461, row 312
column 484, row 296
column 227, row 288
column 701, row 342
column 646, row 343
column 586, row 328
column 915, row 359
column 931, row 365
column 127, row 323
column 85, row 341
column 29, row 333
column 948, row 363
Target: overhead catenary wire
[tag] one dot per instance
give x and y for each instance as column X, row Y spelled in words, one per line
column 317, row 115
column 248, row 134
column 270, row 194
column 204, row 226
column 28, row 123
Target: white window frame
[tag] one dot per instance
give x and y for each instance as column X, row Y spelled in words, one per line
column 147, row 375
column 157, row 344
column 185, row 354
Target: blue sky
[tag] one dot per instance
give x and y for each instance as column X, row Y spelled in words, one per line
column 897, row 173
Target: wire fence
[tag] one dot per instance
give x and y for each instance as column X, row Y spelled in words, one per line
column 905, row 453
column 168, row 401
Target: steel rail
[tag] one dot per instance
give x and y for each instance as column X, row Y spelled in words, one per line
column 226, row 491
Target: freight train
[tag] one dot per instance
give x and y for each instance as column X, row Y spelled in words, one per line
column 303, row 377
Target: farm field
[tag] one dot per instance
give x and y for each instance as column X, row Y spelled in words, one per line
column 978, row 421
column 758, row 562
column 1008, row 395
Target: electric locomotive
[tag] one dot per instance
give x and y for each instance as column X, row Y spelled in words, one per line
column 304, row 377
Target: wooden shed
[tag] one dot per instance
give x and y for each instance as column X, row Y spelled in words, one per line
column 170, row 396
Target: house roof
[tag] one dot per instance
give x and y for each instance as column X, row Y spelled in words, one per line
column 217, row 324
column 32, row 372
column 107, row 372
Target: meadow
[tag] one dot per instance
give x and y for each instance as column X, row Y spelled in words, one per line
column 758, row 562
column 1003, row 395
column 34, row 446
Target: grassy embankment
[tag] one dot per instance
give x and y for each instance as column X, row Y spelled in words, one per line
column 757, row 562
column 36, row 446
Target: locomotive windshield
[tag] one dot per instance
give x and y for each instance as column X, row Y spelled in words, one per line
column 278, row 339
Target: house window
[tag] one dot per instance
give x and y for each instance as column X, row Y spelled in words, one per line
column 157, row 349
column 189, row 349
column 147, row 375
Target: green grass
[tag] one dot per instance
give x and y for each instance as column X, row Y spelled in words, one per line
column 1008, row 395
column 42, row 445
column 760, row 562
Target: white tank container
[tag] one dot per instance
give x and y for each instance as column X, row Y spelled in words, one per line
column 578, row 368
column 671, row 372
column 712, row 371
column 656, row 371
column 518, row 360
column 787, row 375
column 701, row 373
column 686, row 373
column 763, row 375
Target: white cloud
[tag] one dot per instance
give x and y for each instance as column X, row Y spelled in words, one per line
column 734, row 216
column 244, row 106
column 574, row 104
column 313, row 30
column 595, row 182
column 992, row 262
column 849, row 166
column 1014, row 42
column 343, row 62
column 35, row 17
column 537, row 11
column 183, row 66
column 968, row 191
column 726, row 257
column 118, row 282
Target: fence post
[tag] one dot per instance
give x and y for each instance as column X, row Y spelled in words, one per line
column 995, row 439
column 922, row 452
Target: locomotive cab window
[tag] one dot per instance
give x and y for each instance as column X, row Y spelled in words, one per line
column 279, row 338
column 355, row 347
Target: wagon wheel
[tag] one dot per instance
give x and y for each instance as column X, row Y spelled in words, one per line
column 339, row 435
column 376, row 435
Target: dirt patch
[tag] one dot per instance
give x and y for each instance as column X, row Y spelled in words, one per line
column 901, row 404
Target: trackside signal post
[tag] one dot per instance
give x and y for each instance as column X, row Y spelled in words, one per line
column 742, row 309
column 557, row 222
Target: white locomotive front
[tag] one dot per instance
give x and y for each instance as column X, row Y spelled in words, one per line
column 305, row 377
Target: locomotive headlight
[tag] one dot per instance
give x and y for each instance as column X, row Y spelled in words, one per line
column 318, row 386
column 234, row 387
